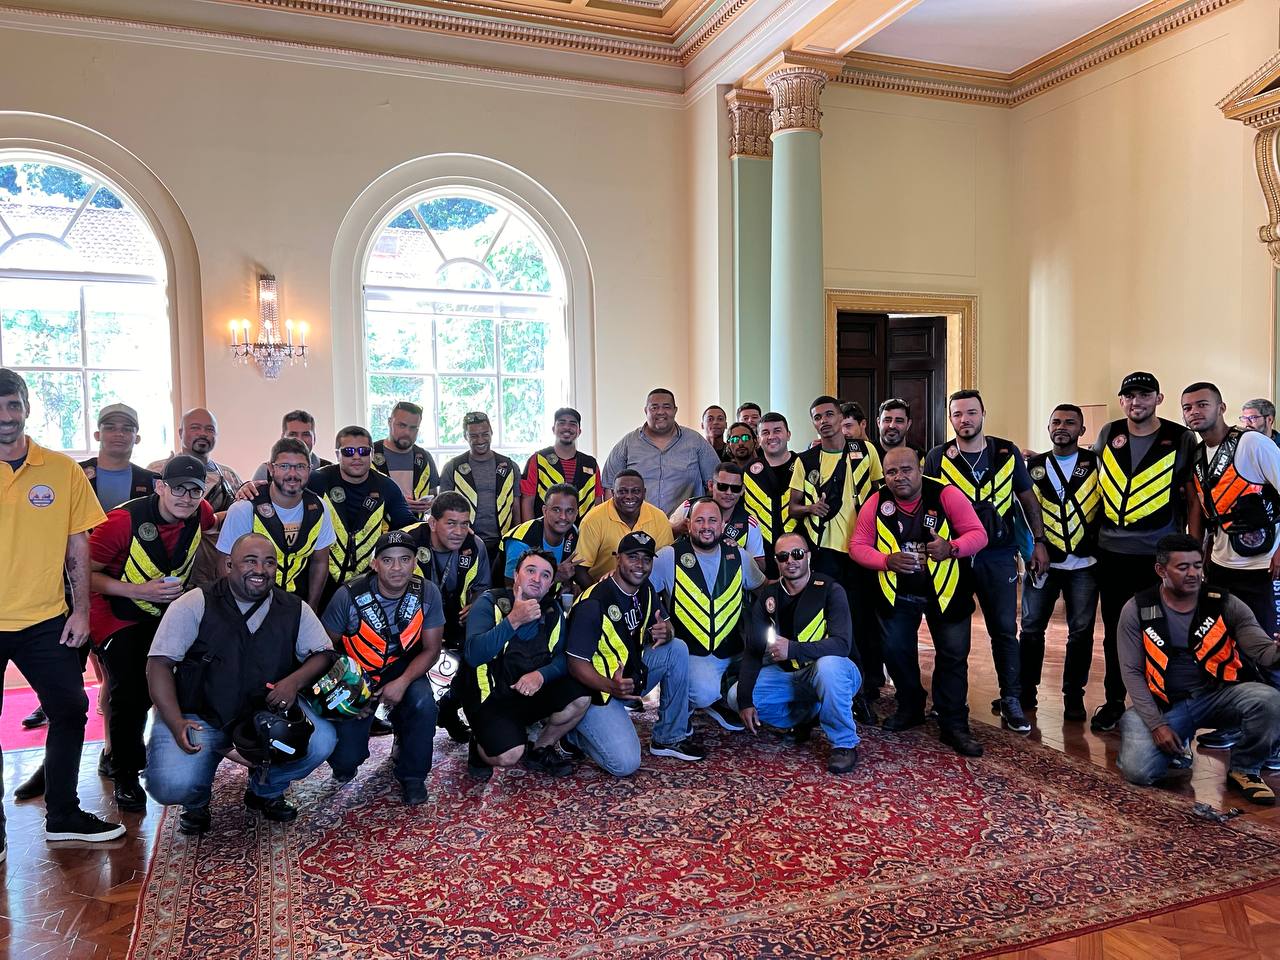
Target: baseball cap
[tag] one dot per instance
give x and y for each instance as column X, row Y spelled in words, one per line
column 1140, row 381
column 395, row 538
column 119, row 410
column 637, row 542
column 184, row 469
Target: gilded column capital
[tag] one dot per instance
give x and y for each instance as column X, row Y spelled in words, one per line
column 749, row 112
column 796, row 91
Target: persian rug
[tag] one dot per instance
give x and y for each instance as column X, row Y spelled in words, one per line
column 754, row 852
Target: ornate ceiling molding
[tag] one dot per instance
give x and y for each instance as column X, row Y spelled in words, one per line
column 750, row 125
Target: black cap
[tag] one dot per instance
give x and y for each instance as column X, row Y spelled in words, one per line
column 1141, row 381
column 637, row 542
column 395, row 538
column 184, row 468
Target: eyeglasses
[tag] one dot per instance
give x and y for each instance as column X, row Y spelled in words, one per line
column 296, row 467
column 744, row 438
column 184, row 492
column 795, row 553
column 1250, row 421
column 728, row 487
column 355, row 451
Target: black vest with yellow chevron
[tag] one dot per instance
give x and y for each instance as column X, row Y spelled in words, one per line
column 425, row 476
column 995, row 490
column 292, row 554
column 505, row 473
column 707, row 617
column 810, row 615
column 532, row 533
column 1139, row 496
column 1209, row 640
column 465, row 568
column 623, row 622
column 766, row 495
column 378, row 645
column 738, row 524
column 1246, row 511
column 945, row 585
column 585, row 479
column 148, row 559
column 519, row 656
column 857, row 459
column 1070, row 523
column 358, row 519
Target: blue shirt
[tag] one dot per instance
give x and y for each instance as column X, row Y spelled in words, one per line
column 517, row 548
column 114, row 487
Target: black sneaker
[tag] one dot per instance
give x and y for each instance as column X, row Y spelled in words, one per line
column 129, row 794
column 1012, row 717
column 961, row 741
column 721, row 714
column 903, row 720
column 842, row 760
column 1107, row 716
column 194, row 821
column 635, row 706
column 687, row 749
column 451, row 720
column 413, row 792
column 381, row 728
column 547, row 760
column 571, row 750
column 476, row 765
column 274, row 808
column 81, row 825
column 32, row 787
column 36, row 718
column 1073, row 707
column 1223, row 739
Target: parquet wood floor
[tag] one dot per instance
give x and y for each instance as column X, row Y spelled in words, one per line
column 77, row 901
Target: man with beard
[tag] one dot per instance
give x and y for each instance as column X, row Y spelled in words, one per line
column 1260, row 416
column 292, row 517
column 740, row 440
column 736, row 523
column 893, row 424
column 796, row 668
column 766, row 486
column 554, row 533
column 562, row 462
column 515, row 674
column 390, row 621
column 991, row 473
column 409, row 465
column 199, row 435
column 269, row 647
column 488, row 480
column 626, row 511
column 141, row 559
column 705, row 578
column 1144, row 475
column 295, row 425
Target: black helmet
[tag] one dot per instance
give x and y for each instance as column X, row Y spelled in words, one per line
column 270, row 736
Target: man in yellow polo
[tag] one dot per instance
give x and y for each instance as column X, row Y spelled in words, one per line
column 626, row 512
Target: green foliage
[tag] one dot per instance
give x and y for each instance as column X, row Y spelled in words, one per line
column 454, row 213
column 55, row 181
column 519, row 265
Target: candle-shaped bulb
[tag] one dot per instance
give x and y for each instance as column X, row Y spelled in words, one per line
column 288, row 332
column 235, row 330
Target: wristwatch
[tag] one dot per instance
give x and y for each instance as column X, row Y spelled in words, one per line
column 1040, row 540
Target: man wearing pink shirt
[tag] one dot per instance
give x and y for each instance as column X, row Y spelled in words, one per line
column 917, row 535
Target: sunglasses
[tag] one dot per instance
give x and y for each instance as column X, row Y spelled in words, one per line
column 742, row 438
column 728, row 487
column 355, row 451
column 795, row 553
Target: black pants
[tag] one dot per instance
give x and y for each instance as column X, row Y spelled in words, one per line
column 1120, row 576
column 1079, row 591
column 125, row 656
column 840, row 567
column 995, row 579
column 54, row 672
column 950, row 661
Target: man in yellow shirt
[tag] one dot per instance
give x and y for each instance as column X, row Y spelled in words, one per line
column 47, row 508
column 606, row 525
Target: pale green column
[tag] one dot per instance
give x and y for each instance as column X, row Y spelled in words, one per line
column 750, row 150
column 797, row 340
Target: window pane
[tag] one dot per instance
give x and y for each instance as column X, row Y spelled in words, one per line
column 459, row 395
column 463, row 275
column 57, row 409
column 398, row 341
column 149, row 395
column 517, row 260
column 524, row 346
column 40, row 323
column 465, row 344
column 403, row 255
column 386, row 391
column 463, row 227
column 127, row 326
column 523, row 411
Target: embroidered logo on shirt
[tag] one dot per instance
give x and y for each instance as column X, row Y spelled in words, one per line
column 888, row 508
column 40, row 495
column 770, row 604
column 687, row 561
column 757, row 467
column 148, row 531
column 464, row 468
column 90, row 472
column 614, row 613
column 266, row 510
column 424, row 555
column 1037, row 473
column 337, row 495
column 1119, row 440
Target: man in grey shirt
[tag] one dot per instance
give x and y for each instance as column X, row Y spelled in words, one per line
column 676, row 463
column 488, row 481
column 1183, row 654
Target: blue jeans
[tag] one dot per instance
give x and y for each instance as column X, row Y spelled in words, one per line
column 1254, row 707
column 175, row 776
column 414, row 721
column 823, row 688
column 706, row 675
column 606, row 732
column 1079, row 591
column 995, row 578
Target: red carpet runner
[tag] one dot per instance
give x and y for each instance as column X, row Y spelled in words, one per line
column 755, row 852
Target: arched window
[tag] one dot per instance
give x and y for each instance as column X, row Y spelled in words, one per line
column 84, row 315
column 464, row 309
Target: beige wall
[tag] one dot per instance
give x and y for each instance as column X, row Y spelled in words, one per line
column 265, row 157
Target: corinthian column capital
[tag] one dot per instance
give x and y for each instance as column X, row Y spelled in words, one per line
column 749, row 112
column 795, row 83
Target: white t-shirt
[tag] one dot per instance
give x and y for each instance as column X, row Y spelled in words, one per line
column 1067, row 465
column 1257, row 461
column 239, row 521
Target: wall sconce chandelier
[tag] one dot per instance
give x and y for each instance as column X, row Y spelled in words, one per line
column 270, row 350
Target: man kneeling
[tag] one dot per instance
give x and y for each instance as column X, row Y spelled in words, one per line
column 1182, row 649
column 391, row 623
column 514, row 674
column 220, row 655
column 796, row 666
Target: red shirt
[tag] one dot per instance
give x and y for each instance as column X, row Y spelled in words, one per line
column 109, row 545
column 966, row 529
column 529, row 482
